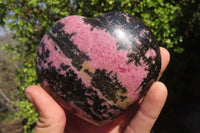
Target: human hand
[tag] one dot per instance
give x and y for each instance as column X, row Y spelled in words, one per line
column 140, row 118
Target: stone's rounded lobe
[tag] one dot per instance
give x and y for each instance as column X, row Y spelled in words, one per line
column 98, row 67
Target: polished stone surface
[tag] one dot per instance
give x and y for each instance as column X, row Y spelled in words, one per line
column 98, row 67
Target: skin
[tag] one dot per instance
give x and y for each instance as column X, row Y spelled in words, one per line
column 139, row 118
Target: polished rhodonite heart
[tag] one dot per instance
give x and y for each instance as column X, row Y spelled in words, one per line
column 98, row 67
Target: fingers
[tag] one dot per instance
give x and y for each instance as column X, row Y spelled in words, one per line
column 165, row 57
column 51, row 116
column 153, row 102
column 149, row 110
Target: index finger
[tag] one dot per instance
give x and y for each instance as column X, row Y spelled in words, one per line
column 165, row 57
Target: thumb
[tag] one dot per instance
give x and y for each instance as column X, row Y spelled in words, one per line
column 52, row 117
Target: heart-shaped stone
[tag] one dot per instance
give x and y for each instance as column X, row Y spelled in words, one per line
column 97, row 67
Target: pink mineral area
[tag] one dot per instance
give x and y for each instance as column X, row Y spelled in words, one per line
column 138, row 42
column 101, row 48
column 150, row 53
column 127, row 17
column 144, row 32
column 57, row 58
column 72, row 24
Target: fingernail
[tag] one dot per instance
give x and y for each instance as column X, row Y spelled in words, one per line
column 29, row 97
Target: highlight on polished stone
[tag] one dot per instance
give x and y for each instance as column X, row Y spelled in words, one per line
column 98, row 67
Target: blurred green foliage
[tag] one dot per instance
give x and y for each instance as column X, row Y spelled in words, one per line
column 2, row 12
column 30, row 19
